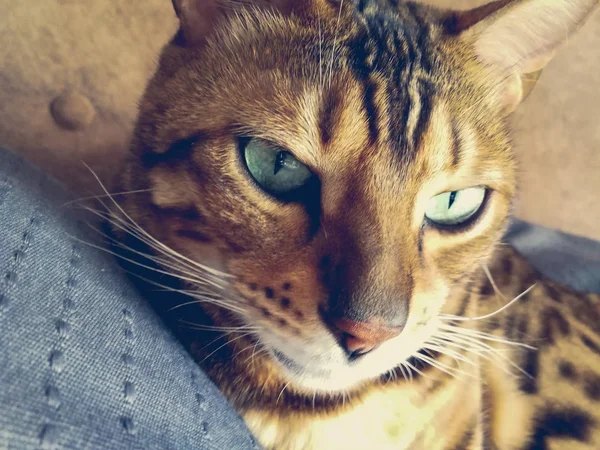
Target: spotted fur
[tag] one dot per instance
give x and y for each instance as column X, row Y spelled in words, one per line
column 389, row 103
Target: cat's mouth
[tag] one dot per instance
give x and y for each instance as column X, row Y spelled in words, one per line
column 314, row 376
column 327, row 371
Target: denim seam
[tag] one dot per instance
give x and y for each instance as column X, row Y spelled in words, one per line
column 127, row 419
column 50, row 433
column 11, row 277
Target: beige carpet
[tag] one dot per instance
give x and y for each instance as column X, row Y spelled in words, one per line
column 95, row 57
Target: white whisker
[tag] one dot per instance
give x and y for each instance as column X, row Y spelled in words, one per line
column 333, row 49
column 498, row 311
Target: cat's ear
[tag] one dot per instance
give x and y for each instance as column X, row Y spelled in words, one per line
column 198, row 18
column 519, row 37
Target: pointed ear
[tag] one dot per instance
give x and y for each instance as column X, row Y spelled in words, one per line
column 198, row 18
column 519, row 37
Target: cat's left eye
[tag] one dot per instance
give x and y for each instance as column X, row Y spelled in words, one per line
column 275, row 170
column 455, row 207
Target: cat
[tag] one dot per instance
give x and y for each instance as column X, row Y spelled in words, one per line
column 330, row 181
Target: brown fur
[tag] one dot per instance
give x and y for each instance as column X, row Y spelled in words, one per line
column 359, row 242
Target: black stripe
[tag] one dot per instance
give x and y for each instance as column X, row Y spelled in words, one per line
column 422, row 45
column 329, row 115
column 426, row 60
column 369, row 91
column 531, row 366
column 360, row 52
column 455, row 145
column 467, row 438
column 426, row 92
column 399, row 101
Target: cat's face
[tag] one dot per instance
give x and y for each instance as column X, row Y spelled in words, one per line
column 348, row 175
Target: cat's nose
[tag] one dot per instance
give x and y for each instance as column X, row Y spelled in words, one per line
column 359, row 338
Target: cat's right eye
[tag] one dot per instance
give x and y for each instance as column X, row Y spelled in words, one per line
column 275, row 170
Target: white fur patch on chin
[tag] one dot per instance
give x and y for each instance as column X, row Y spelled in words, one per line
column 330, row 372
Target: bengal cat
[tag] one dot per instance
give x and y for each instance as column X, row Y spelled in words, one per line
column 330, row 181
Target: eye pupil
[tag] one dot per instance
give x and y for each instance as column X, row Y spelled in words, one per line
column 451, row 199
column 279, row 162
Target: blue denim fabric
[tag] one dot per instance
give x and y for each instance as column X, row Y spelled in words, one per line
column 85, row 363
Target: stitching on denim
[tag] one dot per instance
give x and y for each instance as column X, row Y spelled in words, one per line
column 11, row 278
column 50, row 434
column 129, row 389
column 202, row 405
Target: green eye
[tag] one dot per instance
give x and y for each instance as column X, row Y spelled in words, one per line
column 455, row 207
column 275, row 170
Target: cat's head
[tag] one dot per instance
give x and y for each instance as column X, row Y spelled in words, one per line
column 345, row 164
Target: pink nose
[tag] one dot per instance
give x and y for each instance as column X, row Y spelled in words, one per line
column 359, row 338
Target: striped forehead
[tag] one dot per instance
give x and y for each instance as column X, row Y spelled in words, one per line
column 392, row 58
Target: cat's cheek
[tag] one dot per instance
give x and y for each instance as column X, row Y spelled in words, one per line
column 286, row 293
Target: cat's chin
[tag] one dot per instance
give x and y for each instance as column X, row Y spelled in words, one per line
column 321, row 377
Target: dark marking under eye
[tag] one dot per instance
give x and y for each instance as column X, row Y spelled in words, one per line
column 189, row 213
column 195, row 235
column 178, row 151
